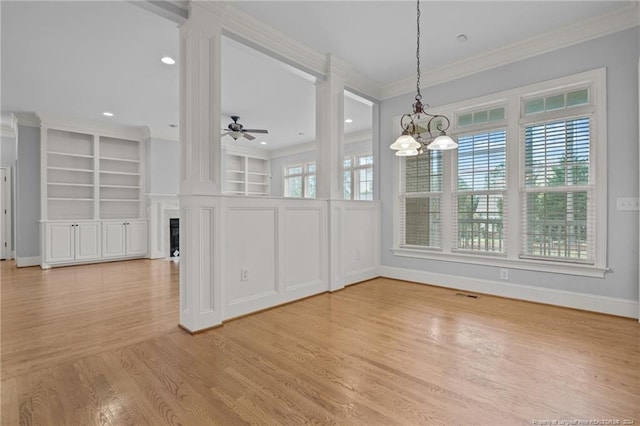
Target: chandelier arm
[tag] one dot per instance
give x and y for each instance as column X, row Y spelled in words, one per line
column 409, row 126
column 439, row 127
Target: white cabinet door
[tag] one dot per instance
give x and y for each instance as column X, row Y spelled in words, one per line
column 87, row 240
column 60, row 241
column 113, row 239
column 137, row 238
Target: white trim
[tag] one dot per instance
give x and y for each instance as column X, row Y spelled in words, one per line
column 137, row 133
column 619, row 20
column 8, row 125
column 500, row 261
column 27, row 261
column 569, row 299
column 597, row 81
column 7, row 253
column 27, row 119
column 247, row 29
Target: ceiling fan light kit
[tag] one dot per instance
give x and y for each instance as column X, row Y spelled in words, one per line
column 410, row 142
column 237, row 130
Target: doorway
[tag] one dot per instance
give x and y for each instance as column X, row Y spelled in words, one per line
column 5, row 213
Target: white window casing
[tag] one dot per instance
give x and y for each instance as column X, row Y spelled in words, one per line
column 577, row 246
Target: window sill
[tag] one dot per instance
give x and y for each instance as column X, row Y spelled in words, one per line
column 503, row 262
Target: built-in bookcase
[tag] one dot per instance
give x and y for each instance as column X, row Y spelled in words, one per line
column 92, row 188
column 247, row 175
column 120, row 188
column 70, row 175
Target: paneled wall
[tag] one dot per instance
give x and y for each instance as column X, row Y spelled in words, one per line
column 262, row 252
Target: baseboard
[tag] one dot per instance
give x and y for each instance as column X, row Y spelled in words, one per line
column 27, row 261
column 588, row 302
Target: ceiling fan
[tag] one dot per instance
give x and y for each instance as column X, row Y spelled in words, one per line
column 237, row 130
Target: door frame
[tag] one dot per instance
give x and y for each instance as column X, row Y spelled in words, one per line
column 5, row 213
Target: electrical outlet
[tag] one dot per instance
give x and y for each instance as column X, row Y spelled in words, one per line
column 244, row 274
column 504, row 274
column 628, row 204
column 357, row 254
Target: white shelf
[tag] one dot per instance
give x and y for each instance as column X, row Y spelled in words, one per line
column 246, row 174
column 69, row 199
column 118, row 200
column 69, row 169
column 69, row 184
column 121, row 186
column 69, row 154
column 124, row 160
column 118, row 173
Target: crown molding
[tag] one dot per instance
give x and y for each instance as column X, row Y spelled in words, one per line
column 349, row 138
column 27, row 119
column 620, row 20
column 247, row 29
column 231, row 148
column 8, row 125
column 93, row 126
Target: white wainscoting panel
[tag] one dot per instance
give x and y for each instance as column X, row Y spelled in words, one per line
column 200, row 270
column 283, row 246
column 303, row 246
column 251, row 246
column 355, row 242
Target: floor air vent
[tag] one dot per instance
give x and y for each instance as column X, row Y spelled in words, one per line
column 472, row 296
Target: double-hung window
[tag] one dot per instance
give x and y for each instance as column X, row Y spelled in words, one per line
column 300, row 181
column 420, row 201
column 480, row 187
column 358, row 177
column 526, row 187
column 557, row 210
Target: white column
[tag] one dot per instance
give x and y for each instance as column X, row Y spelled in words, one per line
column 201, row 177
column 330, row 133
column 330, row 154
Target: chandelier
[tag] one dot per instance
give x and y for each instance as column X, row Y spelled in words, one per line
column 410, row 141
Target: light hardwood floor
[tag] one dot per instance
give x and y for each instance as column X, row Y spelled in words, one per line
column 99, row 344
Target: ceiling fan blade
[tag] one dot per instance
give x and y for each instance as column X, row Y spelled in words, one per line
column 255, row 130
column 225, row 134
column 249, row 137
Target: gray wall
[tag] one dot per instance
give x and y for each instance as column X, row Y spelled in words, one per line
column 163, row 166
column 619, row 54
column 28, row 192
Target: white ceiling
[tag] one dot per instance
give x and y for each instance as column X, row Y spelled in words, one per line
column 79, row 59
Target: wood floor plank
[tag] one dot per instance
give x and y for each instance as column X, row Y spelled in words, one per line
column 99, row 344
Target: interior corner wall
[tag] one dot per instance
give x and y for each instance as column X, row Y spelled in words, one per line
column 617, row 52
column 28, row 192
column 163, row 165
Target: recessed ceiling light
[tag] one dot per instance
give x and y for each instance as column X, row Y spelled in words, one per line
column 462, row 38
column 168, row 60
column 301, row 134
column 107, row 114
column 173, row 125
column 348, row 120
column 263, row 143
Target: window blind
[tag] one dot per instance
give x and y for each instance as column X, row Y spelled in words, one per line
column 558, row 215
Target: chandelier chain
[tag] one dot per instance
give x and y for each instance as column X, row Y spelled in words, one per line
column 419, row 95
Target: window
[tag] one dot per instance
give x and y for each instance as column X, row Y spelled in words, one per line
column 525, row 188
column 358, row 177
column 481, row 192
column 420, row 200
column 300, row 181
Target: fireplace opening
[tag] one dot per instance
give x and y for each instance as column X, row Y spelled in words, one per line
column 174, row 237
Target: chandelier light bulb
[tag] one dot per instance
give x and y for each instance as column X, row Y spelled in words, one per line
column 443, row 142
